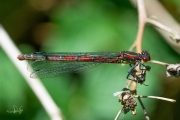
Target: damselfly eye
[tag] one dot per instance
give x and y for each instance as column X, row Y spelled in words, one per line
column 144, row 52
column 145, row 56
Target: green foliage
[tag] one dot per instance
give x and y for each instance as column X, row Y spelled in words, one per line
column 87, row 26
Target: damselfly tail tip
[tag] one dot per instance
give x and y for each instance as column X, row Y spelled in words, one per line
column 20, row 57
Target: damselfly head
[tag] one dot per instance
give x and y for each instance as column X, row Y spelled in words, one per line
column 145, row 56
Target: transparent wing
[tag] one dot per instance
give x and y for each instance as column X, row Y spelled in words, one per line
column 47, row 69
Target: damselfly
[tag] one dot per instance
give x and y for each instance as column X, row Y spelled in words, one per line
column 52, row 64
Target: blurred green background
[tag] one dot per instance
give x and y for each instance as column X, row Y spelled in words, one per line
column 84, row 26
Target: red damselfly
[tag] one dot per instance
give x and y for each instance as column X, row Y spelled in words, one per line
column 52, row 64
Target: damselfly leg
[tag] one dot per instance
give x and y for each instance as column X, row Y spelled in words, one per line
column 138, row 76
